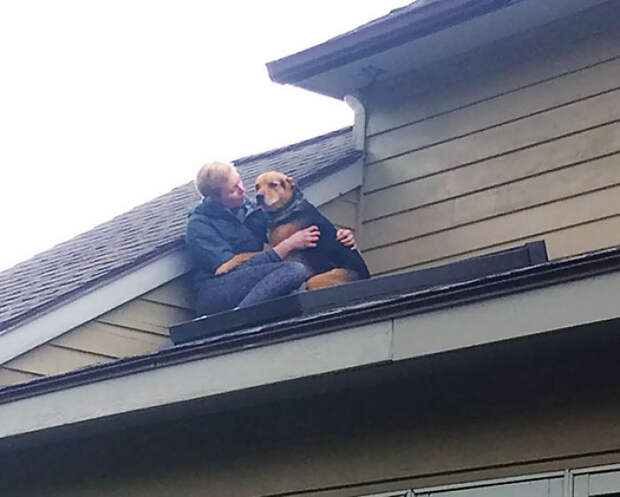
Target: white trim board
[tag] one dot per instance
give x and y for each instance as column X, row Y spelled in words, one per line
column 55, row 322
column 522, row 314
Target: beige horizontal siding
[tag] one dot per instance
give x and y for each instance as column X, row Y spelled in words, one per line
column 144, row 315
column 495, row 70
column 521, row 164
column 51, row 359
column 558, row 97
column 135, row 328
column 562, row 242
column 504, row 199
column 533, row 223
column 178, row 293
column 524, row 163
column 13, row 377
column 114, row 341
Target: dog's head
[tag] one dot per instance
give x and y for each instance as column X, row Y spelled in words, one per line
column 273, row 190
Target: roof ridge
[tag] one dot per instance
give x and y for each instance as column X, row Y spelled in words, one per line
column 292, row 146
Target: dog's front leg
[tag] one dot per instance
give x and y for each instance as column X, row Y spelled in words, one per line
column 336, row 276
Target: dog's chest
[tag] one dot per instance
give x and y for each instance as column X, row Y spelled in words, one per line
column 283, row 231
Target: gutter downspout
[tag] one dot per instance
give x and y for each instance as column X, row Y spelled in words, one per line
column 359, row 142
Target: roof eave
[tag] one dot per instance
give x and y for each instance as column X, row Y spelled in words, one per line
column 375, row 38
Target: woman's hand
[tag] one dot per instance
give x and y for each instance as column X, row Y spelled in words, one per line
column 306, row 238
column 347, row 238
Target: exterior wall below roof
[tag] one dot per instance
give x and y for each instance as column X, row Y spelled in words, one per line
column 509, row 143
column 502, row 413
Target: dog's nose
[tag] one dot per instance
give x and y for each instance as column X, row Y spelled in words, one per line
column 260, row 198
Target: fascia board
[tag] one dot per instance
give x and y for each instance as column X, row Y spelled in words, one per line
column 536, row 311
column 55, row 322
column 350, row 76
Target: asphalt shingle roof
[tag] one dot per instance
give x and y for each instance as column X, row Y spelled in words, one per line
column 147, row 231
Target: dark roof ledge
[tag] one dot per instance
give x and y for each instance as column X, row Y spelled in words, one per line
column 294, row 309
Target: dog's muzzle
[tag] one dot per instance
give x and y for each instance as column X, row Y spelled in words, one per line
column 260, row 199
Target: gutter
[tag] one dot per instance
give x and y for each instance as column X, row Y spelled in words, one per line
column 418, row 302
column 422, row 19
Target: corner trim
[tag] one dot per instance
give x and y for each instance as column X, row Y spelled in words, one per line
column 359, row 123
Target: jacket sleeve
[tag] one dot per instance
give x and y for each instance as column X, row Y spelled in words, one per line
column 208, row 250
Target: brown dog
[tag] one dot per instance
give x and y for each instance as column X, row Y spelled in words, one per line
column 330, row 262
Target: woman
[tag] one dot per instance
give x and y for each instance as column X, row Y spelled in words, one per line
column 225, row 236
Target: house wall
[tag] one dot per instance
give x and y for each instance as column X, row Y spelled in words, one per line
column 456, row 418
column 137, row 327
column 509, row 143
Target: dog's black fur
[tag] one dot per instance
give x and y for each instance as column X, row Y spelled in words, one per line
column 329, row 252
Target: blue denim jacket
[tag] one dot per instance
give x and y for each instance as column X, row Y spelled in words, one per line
column 214, row 234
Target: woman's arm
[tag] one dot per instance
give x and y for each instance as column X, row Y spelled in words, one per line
column 234, row 261
column 346, row 237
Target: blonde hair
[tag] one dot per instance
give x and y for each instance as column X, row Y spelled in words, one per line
column 212, row 176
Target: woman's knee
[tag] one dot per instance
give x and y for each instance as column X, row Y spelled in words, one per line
column 297, row 270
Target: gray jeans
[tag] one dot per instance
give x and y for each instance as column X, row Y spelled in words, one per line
column 249, row 285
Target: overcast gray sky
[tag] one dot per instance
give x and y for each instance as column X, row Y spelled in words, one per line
column 107, row 104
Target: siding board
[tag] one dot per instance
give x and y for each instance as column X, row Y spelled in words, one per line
column 403, row 173
column 49, row 359
column 533, row 223
column 178, row 292
column 110, row 340
column 341, row 213
column 12, row 377
column 522, row 145
column 443, row 148
column 530, row 192
column 561, row 243
column 144, row 315
column 486, row 73
column 512, row 137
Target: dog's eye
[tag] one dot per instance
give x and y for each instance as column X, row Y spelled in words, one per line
column 257, row 187
column 273, row 184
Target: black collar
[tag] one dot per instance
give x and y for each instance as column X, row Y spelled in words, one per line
column 294, row 206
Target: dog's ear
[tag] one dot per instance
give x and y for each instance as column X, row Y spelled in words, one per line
column 291, row 182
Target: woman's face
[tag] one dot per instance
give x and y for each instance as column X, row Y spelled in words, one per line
column 231, row 193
